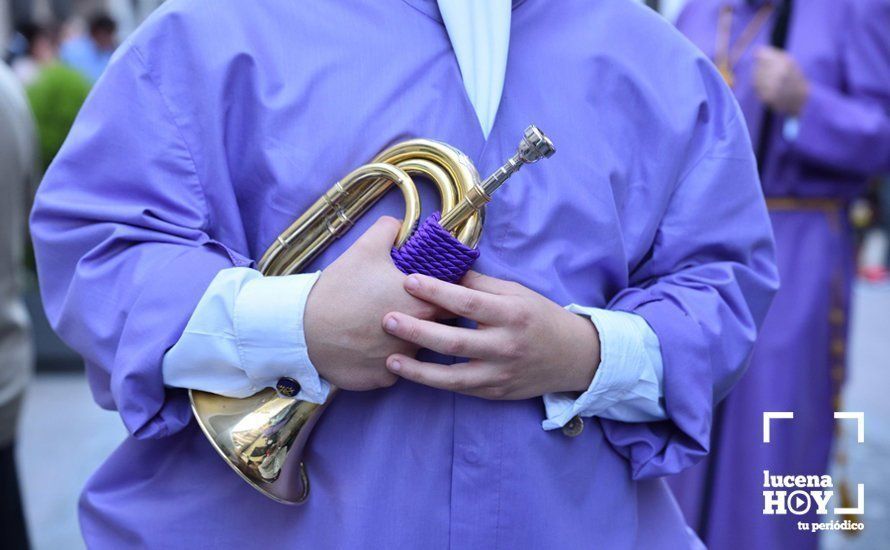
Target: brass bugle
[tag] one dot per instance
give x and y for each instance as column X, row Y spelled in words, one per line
column 262, row 437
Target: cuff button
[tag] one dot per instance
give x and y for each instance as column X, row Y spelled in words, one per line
column 574, row 427
column 287, row 387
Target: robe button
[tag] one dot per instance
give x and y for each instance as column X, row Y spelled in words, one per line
column 287, row 386
column 574, row 427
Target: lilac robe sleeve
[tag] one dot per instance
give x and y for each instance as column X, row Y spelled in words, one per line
column 704, row 289
column 119, row 229
column 849, row 130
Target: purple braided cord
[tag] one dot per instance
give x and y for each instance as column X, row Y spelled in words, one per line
column 433, row 251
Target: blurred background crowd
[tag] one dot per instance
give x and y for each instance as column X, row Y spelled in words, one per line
column 53, row 51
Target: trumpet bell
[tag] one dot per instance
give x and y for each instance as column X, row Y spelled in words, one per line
column 254, row 436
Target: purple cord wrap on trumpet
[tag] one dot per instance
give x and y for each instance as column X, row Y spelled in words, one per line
column 434, row 251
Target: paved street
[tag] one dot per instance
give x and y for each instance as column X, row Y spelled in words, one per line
column 65, row 436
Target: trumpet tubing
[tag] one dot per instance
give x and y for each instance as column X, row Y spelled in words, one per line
column 262, row 437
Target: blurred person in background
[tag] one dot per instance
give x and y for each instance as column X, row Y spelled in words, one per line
column 813, row 81
column 33, row 49
column 55, row 91
column 89, row 54
column 17, row 173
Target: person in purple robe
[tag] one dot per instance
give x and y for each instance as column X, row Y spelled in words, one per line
column 213, row 128
column 813, row 80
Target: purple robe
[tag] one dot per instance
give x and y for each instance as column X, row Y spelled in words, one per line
column 843, row 47
column 213, row 128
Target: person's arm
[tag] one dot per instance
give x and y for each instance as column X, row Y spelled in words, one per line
column 704, row 291
column 629, row 380
column 245, row 334
column 849, row 129
column 121, row 235
column 126, row 250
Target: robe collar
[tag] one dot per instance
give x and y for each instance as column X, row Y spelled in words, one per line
column 431, row 7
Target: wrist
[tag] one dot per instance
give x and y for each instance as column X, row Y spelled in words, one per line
column 803, row 94
column 585, row 342
column 313, row 330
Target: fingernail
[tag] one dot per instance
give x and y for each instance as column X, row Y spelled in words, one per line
column 394, row 365
column 391, row 324
column 412, row 283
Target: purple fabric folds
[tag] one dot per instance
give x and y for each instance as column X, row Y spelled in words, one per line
column 197, row 148
column 434, row 251
column 798, row 363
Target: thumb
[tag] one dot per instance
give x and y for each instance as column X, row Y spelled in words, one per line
column 381, row 235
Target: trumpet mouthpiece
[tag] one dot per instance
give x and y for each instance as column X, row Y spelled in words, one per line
column 535, row 146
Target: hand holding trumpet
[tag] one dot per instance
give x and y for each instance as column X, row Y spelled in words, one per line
column 525, row 345
column 363, row 337
column 342, row 318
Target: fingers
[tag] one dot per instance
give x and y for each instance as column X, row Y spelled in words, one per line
column 762, row 80
column 382, row 234
column 467, row 378
column 766, row 60
column 762, row 70
column 772, row 61
column 448, row 340
column 767, row 52
column 480, row 306
column 491, row 285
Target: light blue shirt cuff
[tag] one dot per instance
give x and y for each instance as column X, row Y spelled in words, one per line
column 791, row 129
column 270, row 336
column 245, row 334
column 628, row 384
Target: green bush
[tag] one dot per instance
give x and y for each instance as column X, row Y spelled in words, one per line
column 56, row 97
